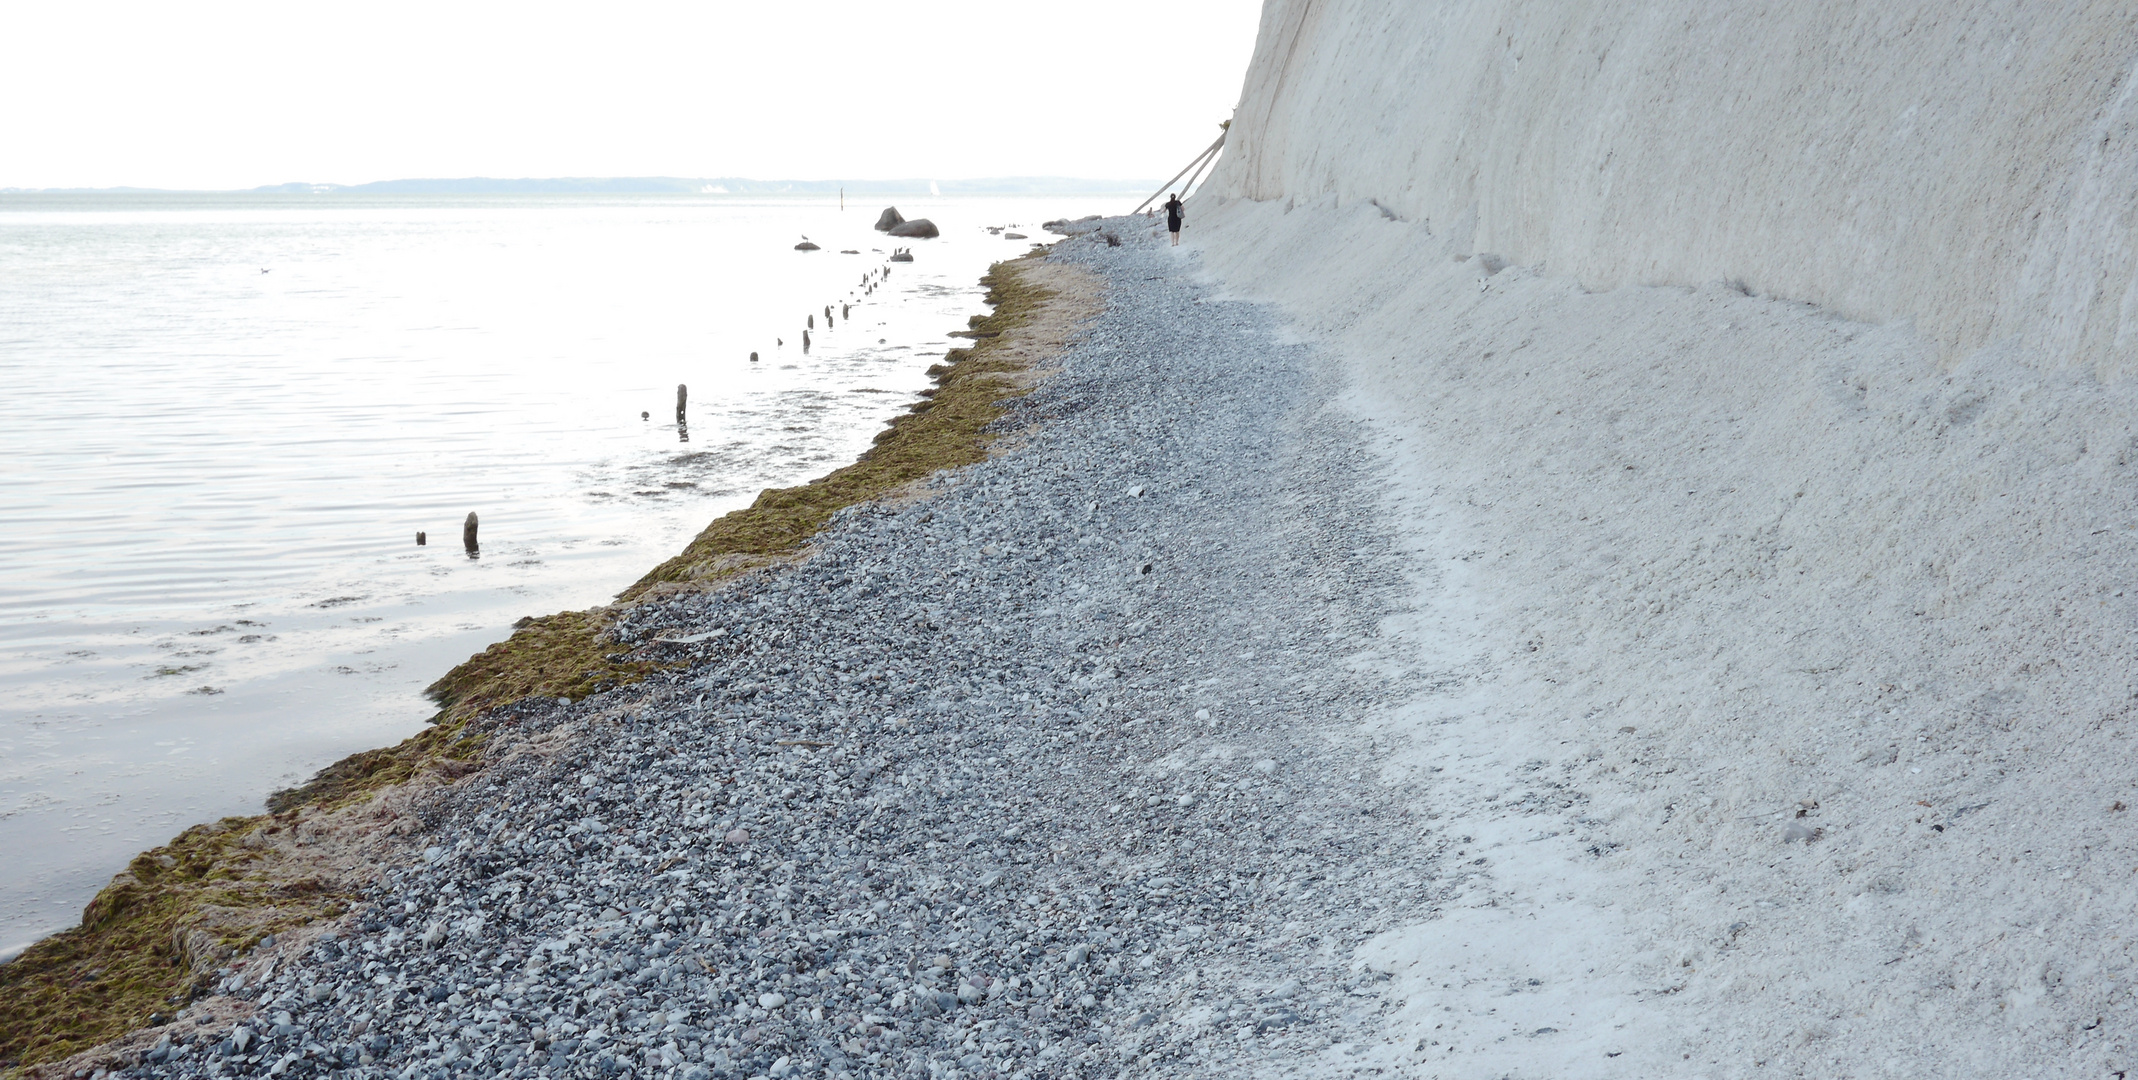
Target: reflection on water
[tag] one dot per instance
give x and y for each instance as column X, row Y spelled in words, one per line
column 227, row 416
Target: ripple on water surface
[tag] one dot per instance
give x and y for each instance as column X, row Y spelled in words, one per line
column 229, row 416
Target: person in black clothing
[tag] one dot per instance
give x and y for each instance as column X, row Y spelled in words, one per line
column 1173, row 211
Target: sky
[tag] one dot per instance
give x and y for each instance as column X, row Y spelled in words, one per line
column 217, row 95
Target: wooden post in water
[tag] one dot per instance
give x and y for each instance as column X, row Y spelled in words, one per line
column 805, row 341
column 467, row 534
column 682, row 400
column 419, row 538
column 753, row 358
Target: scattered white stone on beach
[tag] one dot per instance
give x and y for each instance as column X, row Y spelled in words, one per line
column 771, row 1001
column 1266, row 766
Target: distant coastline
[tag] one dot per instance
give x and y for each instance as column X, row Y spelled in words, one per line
column 646, row 185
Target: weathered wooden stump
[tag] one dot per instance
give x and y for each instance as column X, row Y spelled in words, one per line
column 467, row 534
column 682, row 400
column 419, row 538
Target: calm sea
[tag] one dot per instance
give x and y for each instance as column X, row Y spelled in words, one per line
column 228, row 416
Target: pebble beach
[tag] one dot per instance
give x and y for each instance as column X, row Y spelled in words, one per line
column 1052, row 769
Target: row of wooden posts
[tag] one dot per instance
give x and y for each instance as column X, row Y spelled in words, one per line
column 869, row 281
column 467, row 534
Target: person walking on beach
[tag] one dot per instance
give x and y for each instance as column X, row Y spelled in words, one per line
column 1173, row 211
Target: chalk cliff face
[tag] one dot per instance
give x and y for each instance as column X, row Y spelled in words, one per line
column 1972, row 167
column 1820, row 621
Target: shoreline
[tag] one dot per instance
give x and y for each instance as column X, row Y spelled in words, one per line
column 218, row 889
column 123, row 726
column 1054, row 771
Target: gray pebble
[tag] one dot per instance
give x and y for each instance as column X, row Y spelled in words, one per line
column 887, row 820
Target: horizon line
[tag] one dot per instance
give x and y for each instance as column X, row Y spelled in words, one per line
column 734, row 185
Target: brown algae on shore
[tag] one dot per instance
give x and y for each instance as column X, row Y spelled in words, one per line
column 572, row 655
column 151, row 940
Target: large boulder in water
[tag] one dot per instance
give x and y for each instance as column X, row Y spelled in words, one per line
column 920, row 227
column 889, row 219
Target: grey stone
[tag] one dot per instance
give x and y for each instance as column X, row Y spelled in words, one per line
column 919, row 751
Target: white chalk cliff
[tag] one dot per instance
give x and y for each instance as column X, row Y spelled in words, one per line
column 1757, row 386
column 1970, row 166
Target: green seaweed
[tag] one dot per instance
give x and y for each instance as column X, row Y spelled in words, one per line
column 150, row 940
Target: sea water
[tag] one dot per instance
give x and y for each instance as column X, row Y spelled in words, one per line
column 227, row 418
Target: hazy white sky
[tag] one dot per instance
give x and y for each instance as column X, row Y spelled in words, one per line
column 229, row 95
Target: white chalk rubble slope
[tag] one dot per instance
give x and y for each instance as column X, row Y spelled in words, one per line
column 1786, row 679
column 1781, row 664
